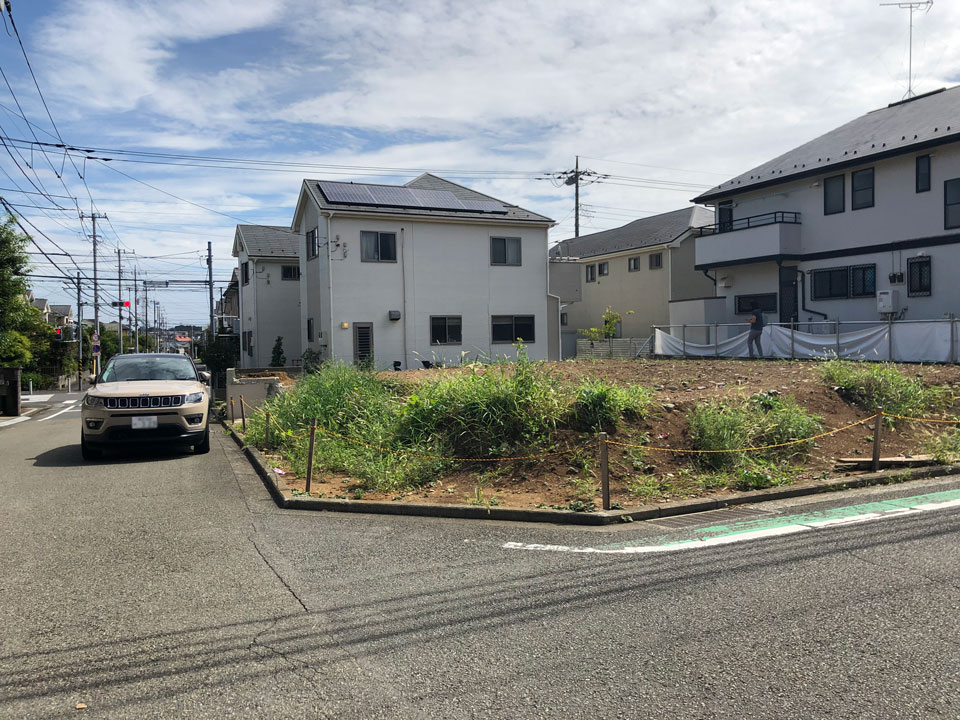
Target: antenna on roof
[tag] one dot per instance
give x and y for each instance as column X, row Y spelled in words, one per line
column 911, row 6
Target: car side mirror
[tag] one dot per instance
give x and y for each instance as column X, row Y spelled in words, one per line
column 205, row 376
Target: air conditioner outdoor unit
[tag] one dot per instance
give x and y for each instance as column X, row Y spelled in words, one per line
column 888, row 301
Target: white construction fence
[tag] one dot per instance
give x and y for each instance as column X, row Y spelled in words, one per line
column 899, row 341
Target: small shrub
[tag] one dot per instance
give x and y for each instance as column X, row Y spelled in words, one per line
column 598, row 405
column 757, row 474
column 874, row 385
column 757, row 421
column 645, row 487
column 944, row 447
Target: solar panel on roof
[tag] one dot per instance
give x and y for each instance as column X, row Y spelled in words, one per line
column 403, row 197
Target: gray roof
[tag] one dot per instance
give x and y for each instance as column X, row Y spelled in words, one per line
column 62, row 309
column 904, row 127
column 39, row 303
column 426, row 181
column 639, row 234
column 264, row 241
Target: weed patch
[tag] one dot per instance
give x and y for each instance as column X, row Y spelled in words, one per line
column 599, row 405
column 874, row 385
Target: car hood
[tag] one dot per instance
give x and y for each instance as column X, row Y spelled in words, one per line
column 134, row 388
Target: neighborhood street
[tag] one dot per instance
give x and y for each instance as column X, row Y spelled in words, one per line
column 165, row 584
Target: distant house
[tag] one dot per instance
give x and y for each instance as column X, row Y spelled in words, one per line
column 430, row 271
column 61, row 315
column 268, row 270
column 641, row 267
column 43, row 305
column 861, row 223
column 227, row 308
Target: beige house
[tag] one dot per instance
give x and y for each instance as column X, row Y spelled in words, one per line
column 640, row 267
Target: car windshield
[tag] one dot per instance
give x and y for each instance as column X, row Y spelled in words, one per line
column 121, row 369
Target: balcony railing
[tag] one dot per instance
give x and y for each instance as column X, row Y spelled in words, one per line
column 772, row 218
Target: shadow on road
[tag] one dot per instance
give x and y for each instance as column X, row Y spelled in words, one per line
column 69, row 456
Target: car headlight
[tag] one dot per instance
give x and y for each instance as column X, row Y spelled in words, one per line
column 93, row 401
column 193, row 398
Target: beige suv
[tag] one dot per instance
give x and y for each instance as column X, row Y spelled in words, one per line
column 146, row 399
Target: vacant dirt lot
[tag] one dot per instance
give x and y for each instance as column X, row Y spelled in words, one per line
column 678, row 386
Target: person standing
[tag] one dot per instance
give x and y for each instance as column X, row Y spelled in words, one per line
column 756, row 329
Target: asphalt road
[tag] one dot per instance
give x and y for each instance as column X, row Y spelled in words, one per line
column 169, row 585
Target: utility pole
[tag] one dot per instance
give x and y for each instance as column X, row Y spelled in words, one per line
column 136, row 311
column 573, row 177
column 210, row 281
column 96, row 287
column 79, row 338
column 120, row 301
column 146, row 310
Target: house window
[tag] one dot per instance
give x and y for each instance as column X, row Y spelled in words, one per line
column 309, row 329
column 951, row 203
column 313, row 246
column 445, row 330
column 861, row 185
column 510, row 328
column 919, row 281
column 243, row 341
column 656, row 260
column 833, row 191
column 725, row 216
column 563, row 319
column 830, row 284
column 591, row 273
column 504, row 251
column 290, row 272
column 863, row 281
column 923, row 173
column 245, row 272
column 633, row 264
column 766, row 301
column 378, row 246
column 603, row 269
column 249, row 343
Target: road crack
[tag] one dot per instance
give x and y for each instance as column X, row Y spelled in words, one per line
column 290, row 590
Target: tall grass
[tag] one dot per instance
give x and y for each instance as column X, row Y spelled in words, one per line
column 599, row 405
column 760, row 420
column 874, row 385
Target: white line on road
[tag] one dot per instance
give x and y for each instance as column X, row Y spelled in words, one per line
column 14, row 421
column 35, row 398
column 49, row 417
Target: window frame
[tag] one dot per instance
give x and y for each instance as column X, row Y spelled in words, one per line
column 446, row 326
column 744, row 301
column 591, row 272
column 245, row 272
column 843, row 194
column 513, row 321
column 633, row 263
column 309, row 329
column 564, row 319
column 295, row 275
column 313, row 245
column 655, row 261
column 603, row 269
column 814, row 295
column 947, row 206
column 507, row 241
column 914, row 262
column 380, row 236
column 920, row 188
column 725, row 216
column 854, row 176
column 862, row 268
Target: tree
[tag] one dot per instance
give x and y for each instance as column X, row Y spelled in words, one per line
column 222, row 354
column 14, row 308
column 611, row 319
column 278, row 359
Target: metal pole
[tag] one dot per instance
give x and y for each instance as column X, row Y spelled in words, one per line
column 79, row 338
column 604, row 472
column 313, row 433
column 684, row 335
column 233, row 413
column 576, row 199
column 838, row 337
column 877, row 424
column 266, row 432
column 716, row 339
column 243, row 415
column 136, row 311
column 953, row 341
column 146, row 314
column 210, row 280
column 120, row 301
column 890, row 339
column 793, row 343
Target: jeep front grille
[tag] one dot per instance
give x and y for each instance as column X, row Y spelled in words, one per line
column 134, row 403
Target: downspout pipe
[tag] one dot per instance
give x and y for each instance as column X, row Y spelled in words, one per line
column 803, row 296
column 712, row 279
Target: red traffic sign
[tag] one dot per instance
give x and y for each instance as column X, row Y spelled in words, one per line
column 95, row 338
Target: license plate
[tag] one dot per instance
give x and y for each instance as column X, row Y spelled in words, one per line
column 148, row 422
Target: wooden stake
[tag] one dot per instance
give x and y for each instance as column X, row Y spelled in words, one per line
column 877, row 425
column 266, row 432
column 233, row 413
column 243, row 415
column 313, row 434
column 604, row 472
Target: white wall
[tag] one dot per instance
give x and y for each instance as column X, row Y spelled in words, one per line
column 270, row 307
column 442, row 268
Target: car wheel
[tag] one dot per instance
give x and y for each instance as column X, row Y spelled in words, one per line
column 88, row 452
column 204, row 445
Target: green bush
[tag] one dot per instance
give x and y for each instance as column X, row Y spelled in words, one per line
column 496, row 411
column 944, row 446
column 760, row 420
column 874, row 385
column 598, row 405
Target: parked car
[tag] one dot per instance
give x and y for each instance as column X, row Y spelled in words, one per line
column 146, row 399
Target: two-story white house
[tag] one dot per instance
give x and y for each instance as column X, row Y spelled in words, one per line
column 860, row 224
column 427, row 272
column 639, row 268
column 268, row 270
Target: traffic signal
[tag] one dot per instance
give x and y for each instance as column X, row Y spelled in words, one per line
column 120, row 303
column 59, row 333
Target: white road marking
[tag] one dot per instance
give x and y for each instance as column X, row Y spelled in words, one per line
column 735, row 537
column 68, row 402
column 50, row 417
column 35, row 398
column 14, row 421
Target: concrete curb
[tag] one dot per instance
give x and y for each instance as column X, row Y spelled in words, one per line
column 568, row 517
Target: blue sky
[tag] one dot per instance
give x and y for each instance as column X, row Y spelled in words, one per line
column 668, row 97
